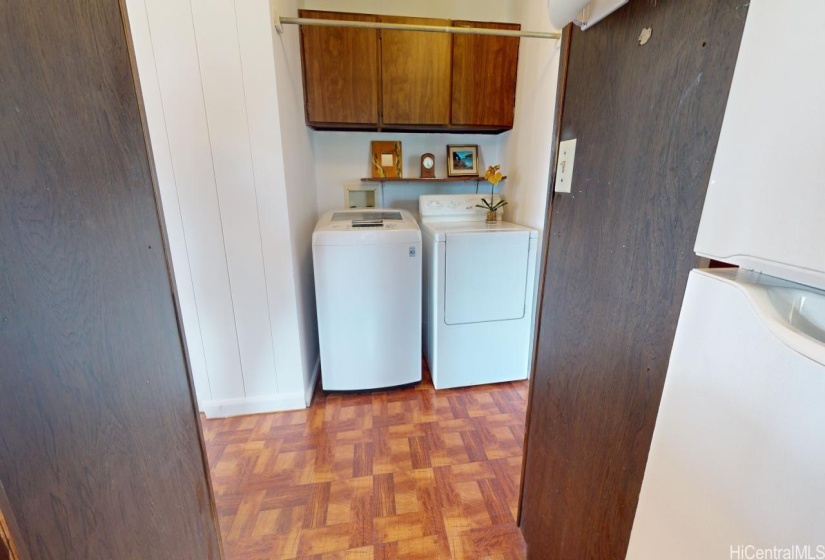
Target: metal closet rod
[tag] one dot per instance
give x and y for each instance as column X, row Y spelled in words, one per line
column 407, row 27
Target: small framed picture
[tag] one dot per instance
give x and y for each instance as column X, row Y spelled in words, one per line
column 462, row 160
column 386, row 159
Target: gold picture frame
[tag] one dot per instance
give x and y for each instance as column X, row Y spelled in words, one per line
column 386, row 159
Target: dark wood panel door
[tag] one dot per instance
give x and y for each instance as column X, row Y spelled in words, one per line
column 416, row 73
column 620, row 246
column 484, row 76
column 100, row 450
column 340, row 71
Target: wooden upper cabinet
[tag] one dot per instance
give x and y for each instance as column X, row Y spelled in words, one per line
column 416, row 73
column 340, row 72
column 484, row 76
column 407, row 80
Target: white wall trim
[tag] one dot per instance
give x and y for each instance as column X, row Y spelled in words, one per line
column 313, row 380
column 295, row 400
column 253, row 405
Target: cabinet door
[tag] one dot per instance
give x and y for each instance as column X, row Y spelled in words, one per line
column 340, row 71
column 484, row 76
column 415, row 73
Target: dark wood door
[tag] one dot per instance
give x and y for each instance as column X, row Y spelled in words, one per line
column 340, row 71
column 620, row 246
column 484, row 76
column 416, row 74
column 101, row 455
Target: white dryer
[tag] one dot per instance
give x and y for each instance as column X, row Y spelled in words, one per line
column 479, row 281
column 368, row 295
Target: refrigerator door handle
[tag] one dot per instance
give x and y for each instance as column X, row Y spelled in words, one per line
column 793, row 313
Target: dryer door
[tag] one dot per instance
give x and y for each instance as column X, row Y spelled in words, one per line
column 486, row 276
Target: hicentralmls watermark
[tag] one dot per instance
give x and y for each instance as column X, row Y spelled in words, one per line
column 796, row 552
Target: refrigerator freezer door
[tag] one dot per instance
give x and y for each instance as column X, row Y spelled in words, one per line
column 738, row 456
column 765, row 206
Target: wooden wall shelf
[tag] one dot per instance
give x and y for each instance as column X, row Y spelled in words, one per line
column 420, row 180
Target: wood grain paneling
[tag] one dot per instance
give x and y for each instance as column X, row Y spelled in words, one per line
column 484, row 76
column 340, row 70
column 416, row 73
column 561, row 87
column 647, row 120
column 100, row 450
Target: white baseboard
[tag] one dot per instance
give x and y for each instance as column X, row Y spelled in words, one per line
column 313, row 381
column 295, row 400
column 254, row 405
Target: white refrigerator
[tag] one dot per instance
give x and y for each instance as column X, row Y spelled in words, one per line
column 737, row 464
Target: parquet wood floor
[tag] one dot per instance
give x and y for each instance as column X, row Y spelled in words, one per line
column 401, row 474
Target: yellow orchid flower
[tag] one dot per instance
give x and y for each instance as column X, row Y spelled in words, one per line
column 493, row 175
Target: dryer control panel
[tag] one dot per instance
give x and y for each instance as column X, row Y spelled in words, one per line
column 455, row 207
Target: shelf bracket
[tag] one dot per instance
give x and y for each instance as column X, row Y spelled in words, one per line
column 276, row 16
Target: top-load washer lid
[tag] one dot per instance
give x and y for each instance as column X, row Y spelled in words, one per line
column 366, row 227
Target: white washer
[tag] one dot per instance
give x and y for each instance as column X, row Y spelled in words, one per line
column 368, row 296
column 479, row 281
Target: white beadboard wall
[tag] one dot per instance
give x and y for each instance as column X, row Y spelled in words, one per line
column 176, row 116
column 300, row 178
column 218, row 47
column 208, row 77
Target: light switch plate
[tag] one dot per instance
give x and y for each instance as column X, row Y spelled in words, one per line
column 564, row 170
